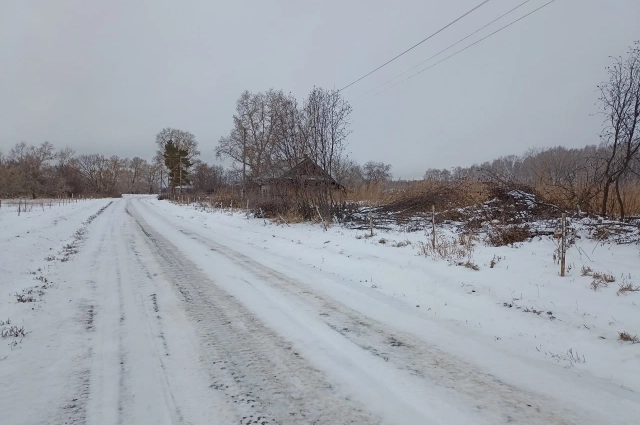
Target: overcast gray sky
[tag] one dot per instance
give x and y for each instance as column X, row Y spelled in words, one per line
column 106, row 76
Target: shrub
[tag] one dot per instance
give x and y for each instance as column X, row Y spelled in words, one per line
column 507, row 235
column 13, row 332
column 25, row 298
column 626, row 336
column 445, row 249
column 495, row 260
column 456, row 251
column 627, row 287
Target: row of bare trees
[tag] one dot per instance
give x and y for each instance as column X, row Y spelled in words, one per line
column 42, row 171
column 36, row 171
column 271, row 129
column 571, row 178
column 603, row 178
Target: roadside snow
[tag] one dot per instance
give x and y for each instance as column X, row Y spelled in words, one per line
column 151, row 312
column 568, row 349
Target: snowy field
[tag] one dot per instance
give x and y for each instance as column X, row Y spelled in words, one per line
column 139, row 311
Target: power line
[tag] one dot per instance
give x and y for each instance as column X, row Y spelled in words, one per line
column 444, row 50
column 459, row 51
column 417, row 44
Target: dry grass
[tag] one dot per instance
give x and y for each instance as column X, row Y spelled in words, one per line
column 444, row 249
column 469, row 265
column 601, row 280
column 630, row 192
column 627, row 287
column 291, row 216
column 13, row 332
column 25, row 298
column 600, row 233
column 458, row 251
column 494, row 261
column 410, row 199
column 507, row 235
column 604, row 277
column 626, row 336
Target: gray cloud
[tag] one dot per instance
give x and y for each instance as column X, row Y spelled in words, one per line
column 107, row 76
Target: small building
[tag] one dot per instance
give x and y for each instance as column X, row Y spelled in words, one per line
column 304, row 177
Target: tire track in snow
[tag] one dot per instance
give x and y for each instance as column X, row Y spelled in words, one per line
column 262, row 378
column 499, row 400
column 128, row 385
column 74, row 412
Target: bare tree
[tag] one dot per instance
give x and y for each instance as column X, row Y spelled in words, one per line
column 326, row 117
column 152, row 175
column 620, row 102
column 251, row 140
column 207, row 178
column 101, row 175
column 29, row 167
column 376, row 172
column 291, row 134
column 133, row 174
column 348, row 173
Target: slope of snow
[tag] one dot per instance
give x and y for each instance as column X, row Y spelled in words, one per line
column 574, row 341
column 166, row 314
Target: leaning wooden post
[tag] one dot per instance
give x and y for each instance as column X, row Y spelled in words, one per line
column 370, row 219
column 433, row 226
column 563, row 246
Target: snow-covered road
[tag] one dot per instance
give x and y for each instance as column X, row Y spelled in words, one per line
column 163, row 320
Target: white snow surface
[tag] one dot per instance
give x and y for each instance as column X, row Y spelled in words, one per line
column 144, row 312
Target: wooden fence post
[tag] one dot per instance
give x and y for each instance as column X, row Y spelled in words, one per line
column 563, row 246
column 433, row 226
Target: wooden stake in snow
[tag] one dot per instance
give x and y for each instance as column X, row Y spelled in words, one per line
column 324, row 224
column 563, row 246
column 433, row 227
column 370, row 220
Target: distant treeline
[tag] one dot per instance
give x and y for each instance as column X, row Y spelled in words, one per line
column 42, row 171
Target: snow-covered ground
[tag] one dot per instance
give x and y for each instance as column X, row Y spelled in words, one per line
column 151, row 312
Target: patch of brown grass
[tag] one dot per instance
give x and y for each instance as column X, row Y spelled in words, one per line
column 469, row 265
column 626, row 336
column 604, row 277
column 601, row 279
column 507, row 235
column 627, row 287
column 586, row 271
